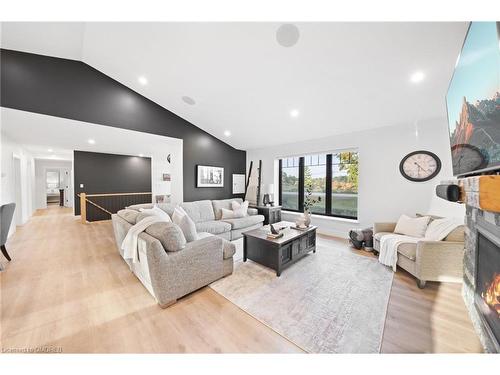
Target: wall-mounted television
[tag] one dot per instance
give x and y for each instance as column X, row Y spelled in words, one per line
column 473, row 102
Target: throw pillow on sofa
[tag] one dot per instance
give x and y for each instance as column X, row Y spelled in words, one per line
column 227, row 214
column 240, row 209
column 169, row 234
column 187, row 225
column 412, row 226
column 157, row 212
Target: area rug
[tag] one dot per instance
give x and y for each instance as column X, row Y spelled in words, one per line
column 333, row 301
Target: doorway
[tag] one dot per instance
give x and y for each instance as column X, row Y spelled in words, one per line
column 52, row 186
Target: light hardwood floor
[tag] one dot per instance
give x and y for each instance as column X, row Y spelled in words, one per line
column 67, row 287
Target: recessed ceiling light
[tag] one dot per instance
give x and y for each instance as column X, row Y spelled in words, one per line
column 91, row 141
column 227, row 133
column 50, row 150
column 294, row 113
column 417, row 77
column 143, row 80
column 287, row 35
column 188, row 100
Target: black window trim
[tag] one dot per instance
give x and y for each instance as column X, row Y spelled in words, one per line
column 328, row 191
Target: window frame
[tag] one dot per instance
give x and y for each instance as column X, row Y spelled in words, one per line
column 328, row 188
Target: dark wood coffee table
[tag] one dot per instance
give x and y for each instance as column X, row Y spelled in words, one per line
column 280, row 253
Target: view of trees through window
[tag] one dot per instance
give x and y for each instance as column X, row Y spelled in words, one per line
column 315, row 181
column 342, row 186
column 345, row 184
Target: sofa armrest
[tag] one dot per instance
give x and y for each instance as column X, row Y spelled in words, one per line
column 175, row 274
column 383, row 227
column 252, row 211
column 440, row 260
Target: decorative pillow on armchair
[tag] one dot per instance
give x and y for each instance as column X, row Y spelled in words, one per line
column 240, row 209
column 412, row 226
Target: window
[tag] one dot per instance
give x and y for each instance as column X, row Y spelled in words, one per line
column 315, row 182
column 345, row 184
column 289, row 183
column 327, row 183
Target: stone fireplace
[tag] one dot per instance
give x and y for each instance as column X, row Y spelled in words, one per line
column 482, row 266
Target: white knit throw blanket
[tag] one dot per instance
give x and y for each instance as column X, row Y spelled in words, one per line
column 129, row 244
column 389, row 244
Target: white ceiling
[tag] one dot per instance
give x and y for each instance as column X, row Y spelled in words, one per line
column 341, row 77
column 38, row 133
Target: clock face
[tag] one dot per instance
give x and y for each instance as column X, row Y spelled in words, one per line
column 467, row 158
column 420, row 166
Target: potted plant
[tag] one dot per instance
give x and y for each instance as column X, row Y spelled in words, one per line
column 309, row 200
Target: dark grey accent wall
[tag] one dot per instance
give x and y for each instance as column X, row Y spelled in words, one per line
column 74, row 90
column 109, row 173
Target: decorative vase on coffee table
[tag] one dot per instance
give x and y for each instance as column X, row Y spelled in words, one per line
column 307, row 218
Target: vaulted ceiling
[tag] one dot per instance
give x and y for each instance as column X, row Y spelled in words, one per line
column 337, row 78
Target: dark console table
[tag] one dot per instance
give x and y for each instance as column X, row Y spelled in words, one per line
column 272, row 214
column 279, row 253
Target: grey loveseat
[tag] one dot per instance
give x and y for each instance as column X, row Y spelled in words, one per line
column 169, row 275
column 428, row 260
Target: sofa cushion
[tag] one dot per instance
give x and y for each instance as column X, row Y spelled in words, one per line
column 167, row 207
column 252, row 211
column 456, row 235
column 187, row 225
column 199, row 210
column 213, row 227
column 240, row 209
column 169, row 234
column 156, row 211
column 244, row 222
column 129, row 216
column 378, row 235
column 409, row 250
column 223, row 203
column 202, row 235
column 137, row 207
column 226, row 214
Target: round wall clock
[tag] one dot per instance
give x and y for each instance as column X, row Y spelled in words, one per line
column 420, row 166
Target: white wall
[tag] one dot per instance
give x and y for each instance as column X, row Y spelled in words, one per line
column 42, row 132
column 160, row 165
column 9, row 151
column 41, row 167
column 384, row 194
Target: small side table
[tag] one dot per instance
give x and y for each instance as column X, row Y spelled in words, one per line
column 272, row 214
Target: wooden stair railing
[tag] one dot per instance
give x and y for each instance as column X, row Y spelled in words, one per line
column 84, row 198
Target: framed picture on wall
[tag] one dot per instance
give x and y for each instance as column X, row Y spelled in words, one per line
column 209, row 176
column 238, row 183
